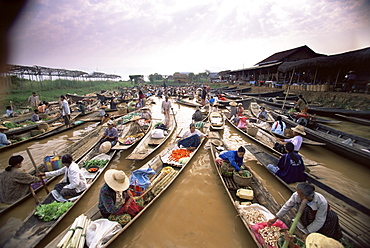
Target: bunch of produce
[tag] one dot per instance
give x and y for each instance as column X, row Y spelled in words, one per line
column 76, row 235
column 95, row 162
column 179, row 153
column 245, row 173
column 52, row 211
column 254, row 216
column 270, row 235
column 131, row 139
column 11, row 125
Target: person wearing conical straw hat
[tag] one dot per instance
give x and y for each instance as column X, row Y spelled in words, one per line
column 115, row 199
column 297, row 139
column 3, row 139
column 314, row 240
column 233, row 105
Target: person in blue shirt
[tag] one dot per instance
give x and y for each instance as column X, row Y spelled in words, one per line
column 290, row 167
column 232, row 158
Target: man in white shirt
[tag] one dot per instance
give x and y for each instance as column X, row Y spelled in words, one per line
column 65, row 111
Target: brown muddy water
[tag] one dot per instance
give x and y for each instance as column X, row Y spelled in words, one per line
column 195, row 211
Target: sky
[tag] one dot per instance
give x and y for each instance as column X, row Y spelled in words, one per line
column 126, row 37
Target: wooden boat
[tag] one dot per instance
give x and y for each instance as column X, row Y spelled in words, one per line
column 187, row 103
column 265, row 139
column 28, row 126
column 255, row 108
column 34, row 229
column 354, row 119
column 261, row 195
column 232, row 96
column 133, row 132
column 304, row 119
column 216, row 121
column 148, row 144
column 77, row 150
column 265, row 94
column 347, row 145
column 160, row 182
column 244, row 101
column 353, row 216
column 76, row 98
column 324, row 111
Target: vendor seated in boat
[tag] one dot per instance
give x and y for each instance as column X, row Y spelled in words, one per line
column 9, row 111
column 197, row 116
column 317, row 216
column 110, row 133
column 191, row 138
column 73, row 184
column 35, row 117
column 262, row 114
column 313, row 240
column 278, row 126
column 222, row 97
column 145, row 113
column 297, row 139
column 240, row 109
column 3, row 139
column 116, row 202
column 242, row 124
column 231, row 160
column 301, row 105
column 107, row 117
column 290, row 167
column 14, row 182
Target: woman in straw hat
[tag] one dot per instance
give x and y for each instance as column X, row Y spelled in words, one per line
column 115, row 200
column 3, row 139
column 314, row 240
column 233, row 105
column 297, row 139
column 317, row 217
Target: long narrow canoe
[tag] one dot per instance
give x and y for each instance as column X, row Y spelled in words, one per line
column 77, row 150
column 265, row 139
column 261, row 195
column 354, row 119
column 34, row 229
column 265, row 94
column 148, row 144
column 160, row 182
column 132, row 134
column 347, row 145
column 353, row 216
column 255, row 108
column 187, row 103
column 216, row 120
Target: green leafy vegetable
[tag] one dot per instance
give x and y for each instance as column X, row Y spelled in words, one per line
column 95, row 162
column 52, row 211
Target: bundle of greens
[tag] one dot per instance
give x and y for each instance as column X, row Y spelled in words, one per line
column 52, row 211
column 95, row 162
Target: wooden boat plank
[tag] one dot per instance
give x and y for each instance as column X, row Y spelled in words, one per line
column 353, row 216
column 148, row 145
column 156, row 164
column 354, row 119
column 33, row 229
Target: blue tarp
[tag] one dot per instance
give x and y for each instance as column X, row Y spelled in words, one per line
column 140, row 177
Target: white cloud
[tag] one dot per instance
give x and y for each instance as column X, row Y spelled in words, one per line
column 165, row 36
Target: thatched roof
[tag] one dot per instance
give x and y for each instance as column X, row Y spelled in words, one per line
column 348, row 59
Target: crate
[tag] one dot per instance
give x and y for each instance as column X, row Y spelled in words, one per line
column 242, row 181
column 252, row 131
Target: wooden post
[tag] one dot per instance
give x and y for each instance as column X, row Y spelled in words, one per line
column 286, row 94
column 37, row 170
column 336, row 79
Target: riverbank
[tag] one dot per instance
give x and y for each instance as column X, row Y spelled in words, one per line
column 353, row 101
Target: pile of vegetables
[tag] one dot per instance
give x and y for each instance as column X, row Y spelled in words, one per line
column 179, row 153
column 245, row 173
column 11, row 125
column 52, row 211
column 95, row 162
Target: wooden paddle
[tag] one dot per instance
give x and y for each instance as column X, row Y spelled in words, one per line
column 295, row 222
column 174, row 116
column 34, row 195
column 37, row 170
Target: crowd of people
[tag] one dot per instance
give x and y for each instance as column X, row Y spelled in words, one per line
column 116, row 201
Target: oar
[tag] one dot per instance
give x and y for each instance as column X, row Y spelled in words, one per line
column 295, row 222
column 37, row 170
column 174, row 116
column 34, row 195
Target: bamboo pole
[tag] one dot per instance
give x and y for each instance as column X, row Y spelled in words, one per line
column 37, row 170
column 287, row 93
column 295, row 222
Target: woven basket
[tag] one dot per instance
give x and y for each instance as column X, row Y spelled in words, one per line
column 242, row 181
column 44, row 126
column 252, row 131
